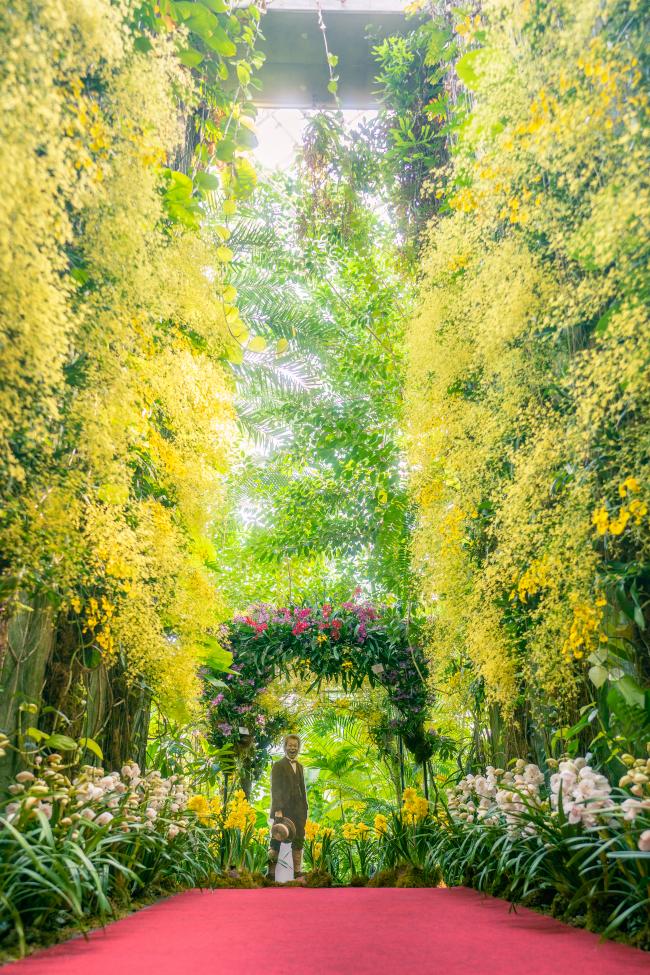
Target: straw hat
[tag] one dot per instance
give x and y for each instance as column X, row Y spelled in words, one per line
column 283, row 829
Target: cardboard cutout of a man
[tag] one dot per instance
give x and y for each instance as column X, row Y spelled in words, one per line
column 289, row 801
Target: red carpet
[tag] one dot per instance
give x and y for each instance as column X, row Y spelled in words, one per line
column 336, row 932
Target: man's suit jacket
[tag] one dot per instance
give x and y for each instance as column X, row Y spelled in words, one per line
column 288, row 793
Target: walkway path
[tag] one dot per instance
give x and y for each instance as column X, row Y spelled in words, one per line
column 335, row 932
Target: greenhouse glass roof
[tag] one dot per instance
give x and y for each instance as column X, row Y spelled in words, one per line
column 296, row 73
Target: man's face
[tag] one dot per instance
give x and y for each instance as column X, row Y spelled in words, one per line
column 291, row 748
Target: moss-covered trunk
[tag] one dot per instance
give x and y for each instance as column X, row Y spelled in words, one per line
column 26, row 643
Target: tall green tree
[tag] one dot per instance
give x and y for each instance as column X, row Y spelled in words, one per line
column 317, row 277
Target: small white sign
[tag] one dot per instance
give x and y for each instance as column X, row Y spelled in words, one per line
column 244, row 731
column 377, row 669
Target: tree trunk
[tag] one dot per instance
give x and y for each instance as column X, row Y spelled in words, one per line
column 99, row 703
column 26, row 643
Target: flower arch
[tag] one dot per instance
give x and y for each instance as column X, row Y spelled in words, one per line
column 352, row 643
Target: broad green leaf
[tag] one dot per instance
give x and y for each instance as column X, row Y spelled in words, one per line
column 246, row 138
column 36, row 734
column 190, row 57
column 243, row 73
column 603, row 321
column 143, row 44
column 245, row 177
column 219, row 41
column 215, row 682
column 281, row 346
column 80, row 275
column 225, row 150
column 238, row 330
column 631, row 691
column 224, row 254
column 213, row 654
column 61, row 741
column 91, row 657
column 207, row 181
column 256, row 344
column 180, row 214
column 197, row 18
column 468, row 67
column 229, row 294
column 235, row 354
column 598, row 675
column 92, row 746
column 185, row 7
column 230, row 207
column 179, row 180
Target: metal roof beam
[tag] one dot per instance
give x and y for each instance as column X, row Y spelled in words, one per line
column 296, row 74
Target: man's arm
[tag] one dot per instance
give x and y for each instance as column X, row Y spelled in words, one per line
column 304, row 787
column 276, row 793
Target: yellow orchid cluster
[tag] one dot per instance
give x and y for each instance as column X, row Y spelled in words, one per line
column 530, row 582
column 349, row 831
column 240, row 813
column 207, row 811
column 479, row 422
column 153, row 399
column 355, row 831
column 468, row 27
column 634, row 510
column 312, row 830
column 97, row 620
column 89, row 134
column 584, row 632
column 414, row 807
column 381, row 824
